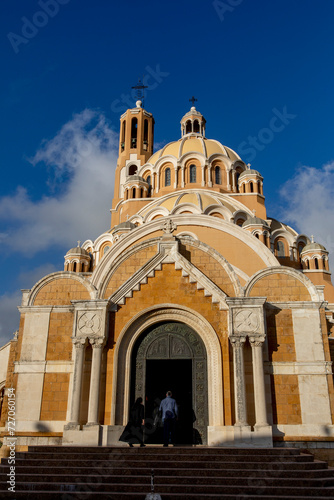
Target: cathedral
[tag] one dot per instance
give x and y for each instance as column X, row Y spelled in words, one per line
column 192, row 289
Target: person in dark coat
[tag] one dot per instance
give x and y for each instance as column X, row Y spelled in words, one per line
column 133, row 432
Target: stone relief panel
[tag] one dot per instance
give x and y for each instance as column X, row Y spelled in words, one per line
column 246, row 321
column 89, row 323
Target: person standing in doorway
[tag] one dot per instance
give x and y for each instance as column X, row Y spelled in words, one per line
column 170, row 411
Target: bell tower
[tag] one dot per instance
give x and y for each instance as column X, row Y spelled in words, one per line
column 135, row 148
column 136, row 134
column 135, row 144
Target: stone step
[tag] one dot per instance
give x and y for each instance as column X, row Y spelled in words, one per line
column 163, row 488
column 171, row 479
column 71, row 473
column 83, row 495
column 266, row 471
column 302, row 465
column 202, row 450
column 148, row 456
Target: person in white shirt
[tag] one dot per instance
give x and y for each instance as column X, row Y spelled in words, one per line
column 170, row 412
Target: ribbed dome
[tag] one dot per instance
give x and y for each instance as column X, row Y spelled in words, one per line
column 254, row 221
column 250, row 171
column 78, row 251
column 313, row 246
column 125, row 225
column 197, row 144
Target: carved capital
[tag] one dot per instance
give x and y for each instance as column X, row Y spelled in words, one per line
column 79, row 343
column 97, row 343
column 237, row 341
column 257, row 341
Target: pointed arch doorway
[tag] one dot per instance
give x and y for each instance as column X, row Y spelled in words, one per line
column 172, row 356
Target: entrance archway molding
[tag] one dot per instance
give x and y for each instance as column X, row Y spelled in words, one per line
column 124, row 348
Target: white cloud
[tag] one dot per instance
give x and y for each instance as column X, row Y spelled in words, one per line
column 308, row 198
column 82, row 159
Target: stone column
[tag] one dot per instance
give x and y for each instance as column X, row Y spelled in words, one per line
column 233, row 182
column 210, row 176
column 239, row 380
column 79, row 346
column 258, row 378
column 94, row 390
column 175, row 181
column 182, row 177
column 203, row 176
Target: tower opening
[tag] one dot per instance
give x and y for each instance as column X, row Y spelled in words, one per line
column 134, row 125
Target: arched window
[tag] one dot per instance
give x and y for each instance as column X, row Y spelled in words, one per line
column 324, row 262
column 188, row 127
column 134, row 133
column 167, row 177
column 192, row 173
column 105, row 250
column 259, row 187
column 257, row 235
column 218, row 177
column 280, row 249
column 307, row 264
column 123, row 136
column 300, row 248
column 196, row 126
column 133, row 192
column 145, row 135
column 316, row 263
column 133, row 169
column 141, row 193
column 251, row 187
column 148, row 180
column 75, row 267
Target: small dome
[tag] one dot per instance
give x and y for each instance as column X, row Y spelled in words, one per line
column 250, row 171
column 135, row 178
column 313, row 246
column 254, row 221
column 125, row 225
column 78, row 251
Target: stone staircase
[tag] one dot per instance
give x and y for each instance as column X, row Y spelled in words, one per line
column 180, row 473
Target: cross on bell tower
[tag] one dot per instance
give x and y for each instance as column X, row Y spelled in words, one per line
column 193, row 100
column 140, row 90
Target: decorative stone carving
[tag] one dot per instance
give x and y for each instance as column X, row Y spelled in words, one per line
column 169, row 227
column 89, row 323
column 246, row 321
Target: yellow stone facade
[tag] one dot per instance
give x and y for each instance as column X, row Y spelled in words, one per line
column 191, row 277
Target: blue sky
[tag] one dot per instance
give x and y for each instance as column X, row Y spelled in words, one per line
column 262, row 72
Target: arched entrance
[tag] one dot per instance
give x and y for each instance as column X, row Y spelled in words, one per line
column 172, row 356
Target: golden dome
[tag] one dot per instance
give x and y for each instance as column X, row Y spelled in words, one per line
column 194, row 143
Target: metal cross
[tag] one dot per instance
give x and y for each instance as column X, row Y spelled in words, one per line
column 193, row 100
column 140, row 90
